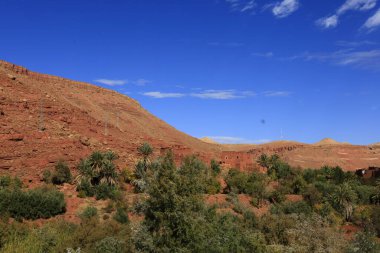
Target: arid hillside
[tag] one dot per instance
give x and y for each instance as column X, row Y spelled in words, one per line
column 45, row 118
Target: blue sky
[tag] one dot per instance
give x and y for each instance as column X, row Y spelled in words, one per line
column 237, row 70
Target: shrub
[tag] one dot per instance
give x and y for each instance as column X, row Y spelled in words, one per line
column 300, row 207
column 215, row 167
column 121, row 216
column 33, row 204
column 110, row 245
column 104, row 191
column 61, row 174
column 89, row 212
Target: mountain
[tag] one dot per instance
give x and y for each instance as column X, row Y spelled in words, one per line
column 45, row 118
column 328, row 141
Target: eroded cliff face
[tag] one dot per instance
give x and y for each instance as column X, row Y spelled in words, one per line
column 45, row 118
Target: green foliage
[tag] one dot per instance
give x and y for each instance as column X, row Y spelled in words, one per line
column 9, row 182
column 276, row 168
column 89, row 212
column 61, row 174
column 311, row 195
column 364, row 242
column 38, row 203
column 110, row 245
column 121, row 216
column 215, row 167
column 176, row 219
column 343, row 198
column 98, row 176
column 300, row 207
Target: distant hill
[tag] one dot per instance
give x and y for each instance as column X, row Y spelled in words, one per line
column 208, row 140
column 328, row 141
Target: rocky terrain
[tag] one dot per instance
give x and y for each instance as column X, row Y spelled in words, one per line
column 45, row 118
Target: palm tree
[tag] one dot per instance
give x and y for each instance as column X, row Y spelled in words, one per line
column 98, row 169
column 145, row 151
column 344, row 197
column 263, row 161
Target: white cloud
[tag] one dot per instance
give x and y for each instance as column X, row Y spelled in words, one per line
column 362, row 59
column 373, row 22
column 277, row 93
column 141, row 82
column 350, row 5
column 158, row 94
column 359, row 5
column 216, row 94
column 222, row 94
column 285, row 8
column 236, row 140
column 242, row 5
column 328, row 22
column 111, row 82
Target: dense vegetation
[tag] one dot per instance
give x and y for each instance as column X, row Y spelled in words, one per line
column 175, row 216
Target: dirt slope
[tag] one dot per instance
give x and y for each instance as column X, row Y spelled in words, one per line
column 45, row 118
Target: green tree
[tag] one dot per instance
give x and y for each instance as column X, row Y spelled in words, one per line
column 97, row 174
column 344, row 197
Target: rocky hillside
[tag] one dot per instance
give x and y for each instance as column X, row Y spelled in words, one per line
column 45, row 118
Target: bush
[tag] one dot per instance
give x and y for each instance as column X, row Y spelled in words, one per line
column 110, row 245
column 105, row 191
column 89, row 212
column 215, row 167
column 61, row 174
column 300, row 207
column 121, row 216
column 33, row 204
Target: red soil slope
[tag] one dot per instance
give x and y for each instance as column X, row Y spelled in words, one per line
column 45, row 118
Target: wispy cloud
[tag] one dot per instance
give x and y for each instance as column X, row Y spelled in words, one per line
column 111, row 82
column 277, row 93
column 222, row 94
column 328, row 22
column 358, row 5
column 242, row 5
column 332, row 21
column 141, row 82
column 217, row 94
column 373, row 22
column 354, row 44
column 236, row 140
column 158, row 94
column 265, row 55
column 285, row 8
column 362, row 59
column 225, row 44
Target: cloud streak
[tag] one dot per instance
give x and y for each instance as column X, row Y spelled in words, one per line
column 158, row 94
column 369, row 59
column 222, row 94
column 277, row 93
column 349, row 5
column 242, row 5
column 111, row 82
column 237, row 140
